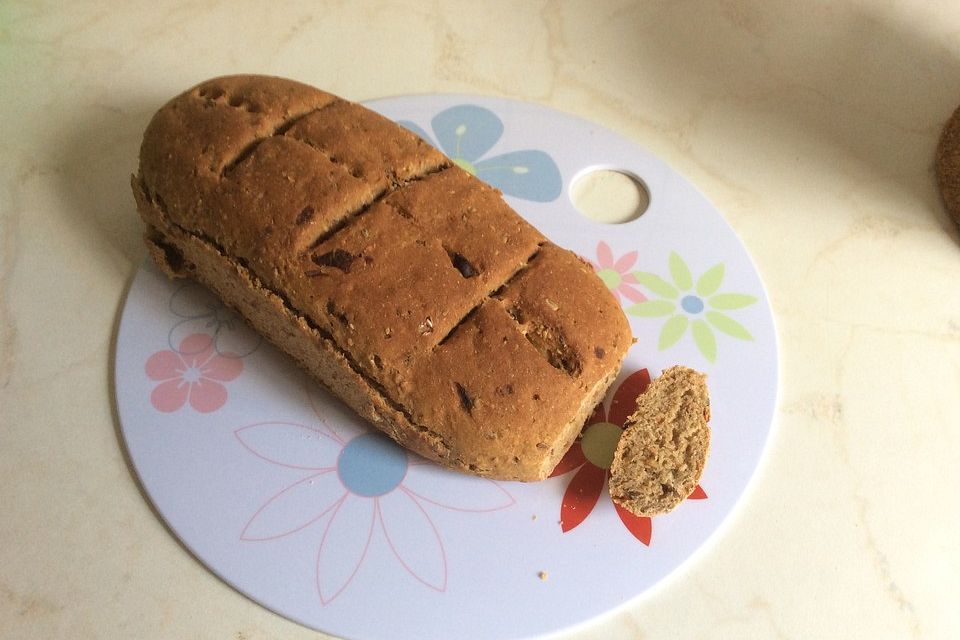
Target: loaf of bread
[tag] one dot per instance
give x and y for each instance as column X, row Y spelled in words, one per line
column 401, row 282
column 663, row 449
column 947, row 164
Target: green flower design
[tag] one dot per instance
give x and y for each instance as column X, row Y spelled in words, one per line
column 696, row 306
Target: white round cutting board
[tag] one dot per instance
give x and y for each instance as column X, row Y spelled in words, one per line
column 290, row 498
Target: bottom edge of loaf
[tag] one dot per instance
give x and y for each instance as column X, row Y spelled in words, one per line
column 182, row 254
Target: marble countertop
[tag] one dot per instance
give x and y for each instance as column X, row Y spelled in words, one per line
column 811, row 126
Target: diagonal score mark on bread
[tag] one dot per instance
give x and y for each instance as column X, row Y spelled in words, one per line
column 401, row 282
column 491, row 294
column 280, row 129
column 352, row 217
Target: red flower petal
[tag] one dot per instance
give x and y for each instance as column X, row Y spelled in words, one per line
column 170, row 395
column 625, row 399
column 640, row 526
column 164, row 365
column 625, row 262
column 222, row 368
column 604, row 255
column 598, row 415
column 630, row 293
column 697, row 494
column 581, row 496
column 572, row 459
column 207, row 395
column 196, row 349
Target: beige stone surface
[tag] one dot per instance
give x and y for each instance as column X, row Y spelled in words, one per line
column 812, row 127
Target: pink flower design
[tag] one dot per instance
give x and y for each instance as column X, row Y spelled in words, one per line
column 194, row 373
column 368, row 488
column 616, row 273
column 592, row 455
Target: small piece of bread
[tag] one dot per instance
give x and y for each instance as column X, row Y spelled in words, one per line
column 662, row 452
column 948, row 165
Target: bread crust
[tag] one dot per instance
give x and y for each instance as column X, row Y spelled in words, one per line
column 402, row 283
column 948, row 165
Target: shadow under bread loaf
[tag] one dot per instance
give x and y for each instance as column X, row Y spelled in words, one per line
column 404, row 284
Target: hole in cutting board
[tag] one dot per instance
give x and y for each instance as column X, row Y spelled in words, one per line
column 609, row 196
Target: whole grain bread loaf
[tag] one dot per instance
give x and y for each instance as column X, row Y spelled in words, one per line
column 400, row 281
column 947, row 164
column 663, row 449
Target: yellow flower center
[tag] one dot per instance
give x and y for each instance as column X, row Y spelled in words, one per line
column 610, row 277
column 599, row 442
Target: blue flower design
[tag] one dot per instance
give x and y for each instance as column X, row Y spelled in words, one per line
column 466, row 132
